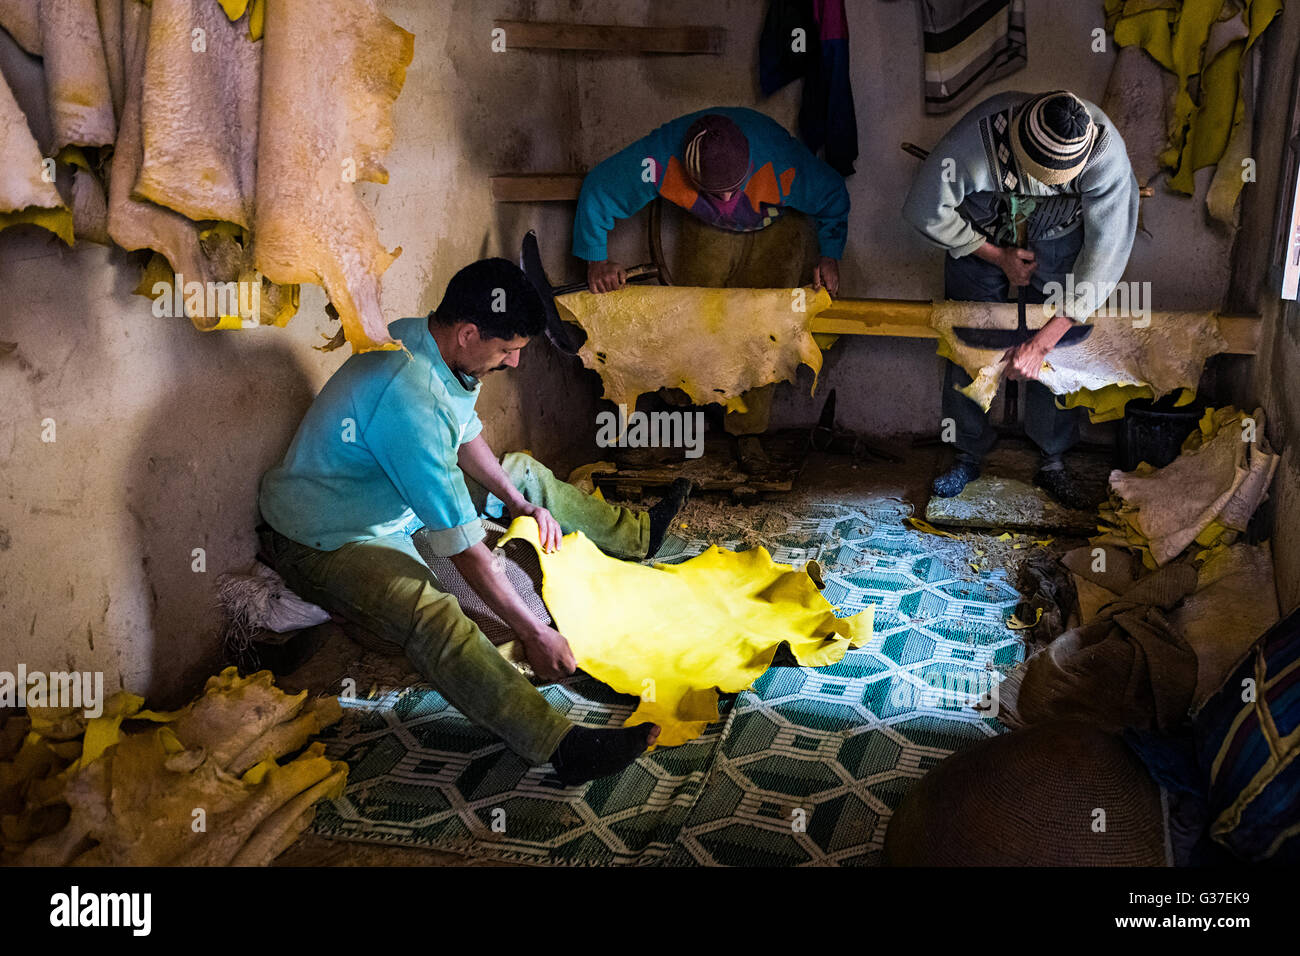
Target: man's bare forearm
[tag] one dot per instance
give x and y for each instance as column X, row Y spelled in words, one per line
column 989, row 253
column 479, row 461
column 1056, row 327
column 477, row 566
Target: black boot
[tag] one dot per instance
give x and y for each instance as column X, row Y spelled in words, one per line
column 663, row 513
column 952, row 481
column 750, row 455
column 588, row 754
column 1063, row 488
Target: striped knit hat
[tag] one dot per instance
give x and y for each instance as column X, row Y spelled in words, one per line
column 1054, row 133
column 716, row 154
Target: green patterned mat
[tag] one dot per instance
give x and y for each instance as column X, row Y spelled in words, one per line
column 805, row 768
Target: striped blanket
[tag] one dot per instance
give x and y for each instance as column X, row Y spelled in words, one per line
column 968, row 44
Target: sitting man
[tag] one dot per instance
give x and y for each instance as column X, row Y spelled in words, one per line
column 1024, row 191
column 746, row 184
column 392, row 446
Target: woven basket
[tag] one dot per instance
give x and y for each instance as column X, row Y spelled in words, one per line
column 1056, row 794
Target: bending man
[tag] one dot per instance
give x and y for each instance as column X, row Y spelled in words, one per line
column 392, row 447
column 1022, row 192
column 746, row 184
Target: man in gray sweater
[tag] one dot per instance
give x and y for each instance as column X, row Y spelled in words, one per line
column 1024, row 191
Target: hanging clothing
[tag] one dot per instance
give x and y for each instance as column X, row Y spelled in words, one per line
column 827, row 120
column 969, row 44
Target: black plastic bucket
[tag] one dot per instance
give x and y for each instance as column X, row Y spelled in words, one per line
column 1154, row 432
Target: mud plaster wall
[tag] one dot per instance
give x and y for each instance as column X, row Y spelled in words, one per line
column 1275, row 382
column 885, row 386
column 163, row 432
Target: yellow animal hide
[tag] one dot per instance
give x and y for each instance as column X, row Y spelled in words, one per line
column 21, row 19
column 677, row 635
column 326, row 122
column 25, row 197
column 199, row 113
column 76, row 74
column 85, row 790
column 1205, row 44
column 713, row 344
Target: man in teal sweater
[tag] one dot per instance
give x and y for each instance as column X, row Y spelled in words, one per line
column 745, row 182
column 1027, row 191
column 391, row 450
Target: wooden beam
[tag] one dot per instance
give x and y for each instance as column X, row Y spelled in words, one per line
column 911, row 319
column 537, row 187
column 532, row 35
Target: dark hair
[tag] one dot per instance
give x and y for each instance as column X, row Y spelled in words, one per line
column 494, row 295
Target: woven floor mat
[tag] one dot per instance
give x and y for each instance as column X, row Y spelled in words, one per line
column 805, row 768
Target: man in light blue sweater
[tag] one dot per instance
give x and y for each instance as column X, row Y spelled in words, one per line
column 1027, row 190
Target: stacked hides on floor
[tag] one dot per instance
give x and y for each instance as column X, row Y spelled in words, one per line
column 201, row 786
column 1204, row 498
column 1169, row 597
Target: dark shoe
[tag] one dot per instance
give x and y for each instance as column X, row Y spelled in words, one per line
column 1062, row 487
column 663, row 513
column 586, row 754
column 282, row 656
column 750, row 455
column 952, row 481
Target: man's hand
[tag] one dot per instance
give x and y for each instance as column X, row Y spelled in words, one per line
column 548, row 653
column 548, row 529
column 827, row 274
column 1018, row 264
column 605, row 276
column 1025, row 361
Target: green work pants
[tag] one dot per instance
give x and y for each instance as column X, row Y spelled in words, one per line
column 779, row 256
column 383, row 585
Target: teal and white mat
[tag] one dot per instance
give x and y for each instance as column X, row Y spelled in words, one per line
column 805, row 768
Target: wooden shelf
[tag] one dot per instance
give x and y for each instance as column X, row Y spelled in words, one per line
column 532, row 35
column 537, row 187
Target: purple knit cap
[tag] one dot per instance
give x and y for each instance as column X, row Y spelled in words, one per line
column 716, row 154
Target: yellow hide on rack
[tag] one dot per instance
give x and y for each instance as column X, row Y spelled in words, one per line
column 713, row 344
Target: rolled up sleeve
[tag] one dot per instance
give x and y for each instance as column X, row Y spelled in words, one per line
column 473, row 428
column 448, row 541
